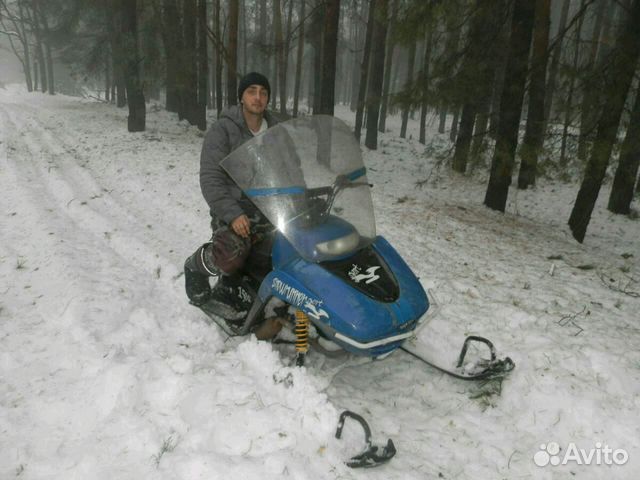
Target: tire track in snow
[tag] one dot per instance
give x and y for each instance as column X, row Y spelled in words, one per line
column 93, row 209
column 90, row 342
column 22, row 177
column 147, row 196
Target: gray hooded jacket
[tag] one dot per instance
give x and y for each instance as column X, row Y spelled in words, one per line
column 223, row 196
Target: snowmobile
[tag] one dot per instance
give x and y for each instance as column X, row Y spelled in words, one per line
column 328, row 267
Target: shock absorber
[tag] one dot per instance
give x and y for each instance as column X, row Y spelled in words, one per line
column 302, row 336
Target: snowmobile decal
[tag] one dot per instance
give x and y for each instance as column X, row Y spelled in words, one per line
column 369, row 272
column 370, row 276
column 244, row 296
column 314, row 312
column 297, row 298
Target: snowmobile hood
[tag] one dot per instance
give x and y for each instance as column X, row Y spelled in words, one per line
column 306, row 175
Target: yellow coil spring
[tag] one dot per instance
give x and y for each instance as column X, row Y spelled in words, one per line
column 302, row 332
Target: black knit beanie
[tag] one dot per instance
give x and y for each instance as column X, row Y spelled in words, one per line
column 253, row 78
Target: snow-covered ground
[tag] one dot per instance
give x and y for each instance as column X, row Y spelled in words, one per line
column 106, row 371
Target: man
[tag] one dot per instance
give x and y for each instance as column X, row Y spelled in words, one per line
column 230, row 210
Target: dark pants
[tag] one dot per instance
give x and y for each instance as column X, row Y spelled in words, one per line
column 227, row 253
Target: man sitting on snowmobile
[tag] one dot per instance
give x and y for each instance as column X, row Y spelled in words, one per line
column 231, row 211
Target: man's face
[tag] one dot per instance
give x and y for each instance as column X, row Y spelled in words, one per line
column 255, row 99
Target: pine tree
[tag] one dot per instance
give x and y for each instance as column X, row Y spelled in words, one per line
column 627, row 171
column 534, row 133
column 329, row 52
column 619, row 74
column 374, row 92
column 510, row 105
column 364, row 69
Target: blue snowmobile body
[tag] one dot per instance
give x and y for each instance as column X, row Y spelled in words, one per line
column 307, row 177
column 364, row 318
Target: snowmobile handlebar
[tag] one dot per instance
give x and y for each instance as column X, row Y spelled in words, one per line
column 313, row 194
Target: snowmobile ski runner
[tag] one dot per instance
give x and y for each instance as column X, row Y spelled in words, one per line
column 372, row 456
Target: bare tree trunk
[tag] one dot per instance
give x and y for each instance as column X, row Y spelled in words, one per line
column 118, row 54
column 47, row 45
column 262, row 39
column 281, row 75
column 35, row 75
column 287, row 51
column 478, row 143
column 24, row 40
column 555, row 62
column 211, row 60
column 39, row 49
column 377, row 71
column 127, row 25
column 299, row 56
column 107, row 77
column 329, row 51
column 232, row 64
column 203, row 67
column 588, row 111
column 364, row 69
column 474, row 77
column 627, row 171
column 534, row 133
column 311, row 77
column 285, row 60
column 218, row 55
column 568, row 114
column 315, row 35
column 511, row 105
column 189, row 67
column 491, row 87
column 455, row 123
column 407, row 106
column 173, row 49
column 442, row 117
column 243, row 34
column 624, row 59
column 451, row 54
column 357, row 40
column 387, row 68
column 277, row 33
column 425, row 83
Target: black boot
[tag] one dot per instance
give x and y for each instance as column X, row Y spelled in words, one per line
column 229, row 291
column 196, row 283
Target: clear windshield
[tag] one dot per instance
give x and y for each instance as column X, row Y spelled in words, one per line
column 307, row 177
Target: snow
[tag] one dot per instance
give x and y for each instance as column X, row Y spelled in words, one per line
column 107, row 372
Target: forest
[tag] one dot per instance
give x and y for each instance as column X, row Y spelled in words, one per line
column 524, row 89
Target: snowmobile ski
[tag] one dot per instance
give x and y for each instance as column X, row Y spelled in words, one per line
column 369, row 457
column 492, row 368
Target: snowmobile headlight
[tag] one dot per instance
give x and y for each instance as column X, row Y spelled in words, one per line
column 339, row 246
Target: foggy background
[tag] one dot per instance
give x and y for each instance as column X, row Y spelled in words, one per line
column 10, row 68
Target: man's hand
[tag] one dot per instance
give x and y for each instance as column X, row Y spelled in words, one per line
column 241, row 226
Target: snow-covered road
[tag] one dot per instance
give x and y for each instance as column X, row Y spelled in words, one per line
column 107, row 372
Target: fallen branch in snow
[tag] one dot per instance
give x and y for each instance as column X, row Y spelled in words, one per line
column 168, row 445
column 436, row 166
column 101, row 100
column 570, row 318
column 609, row 283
